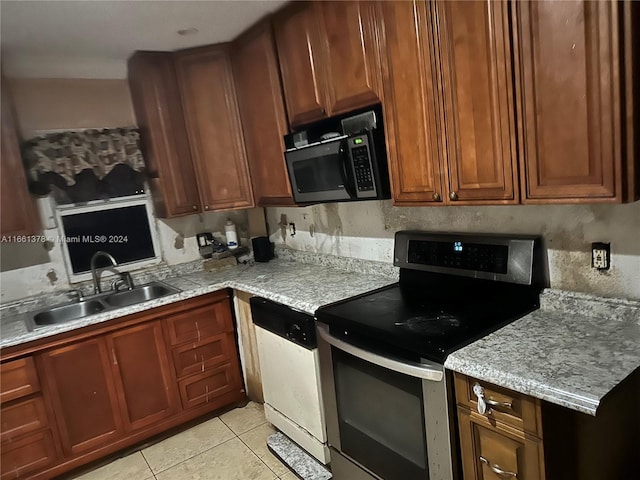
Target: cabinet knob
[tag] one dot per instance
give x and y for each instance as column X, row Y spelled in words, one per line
column 195, row 207
column 436, row 197
column 453, row 196
column 206, row 207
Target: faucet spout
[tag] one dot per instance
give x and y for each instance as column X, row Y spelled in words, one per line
column 95, row 272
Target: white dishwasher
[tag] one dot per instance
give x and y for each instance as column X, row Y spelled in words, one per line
column 289, row 366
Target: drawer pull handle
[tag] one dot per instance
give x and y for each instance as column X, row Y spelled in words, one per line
column 113, row 354
column 198, row 330
column 483, row 402
column 496, row 469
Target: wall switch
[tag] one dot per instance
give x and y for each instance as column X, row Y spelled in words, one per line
column 601, row 255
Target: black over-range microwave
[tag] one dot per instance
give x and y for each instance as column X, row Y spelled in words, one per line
column 340, row 162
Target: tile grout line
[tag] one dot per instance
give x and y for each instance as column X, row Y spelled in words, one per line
column 257, row 456
column 191, row 457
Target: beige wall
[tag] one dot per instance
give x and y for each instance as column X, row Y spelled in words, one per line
column 70, row 104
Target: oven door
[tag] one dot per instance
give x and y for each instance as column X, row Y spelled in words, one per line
column 386, row 418
column 321, row 172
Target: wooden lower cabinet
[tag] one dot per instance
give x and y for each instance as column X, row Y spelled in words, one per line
column 529, row 439
column 83, row 394
column 115, row 384
column 498, row 452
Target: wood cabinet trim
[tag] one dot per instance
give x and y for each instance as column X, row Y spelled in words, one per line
column 21, row 376
column 30, row 415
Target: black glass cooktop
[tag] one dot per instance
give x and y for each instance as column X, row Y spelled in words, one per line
column 428, row 320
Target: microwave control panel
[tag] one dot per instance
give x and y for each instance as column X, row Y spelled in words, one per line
column 363, row 170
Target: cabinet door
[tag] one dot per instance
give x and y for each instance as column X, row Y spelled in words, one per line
column 142, row 374
column 569, row 96
column 27, row 454
column 156, row 101
column 350, row 34
column 83, row 394
column 18, row 215
column 214, row 129
column 410, row 104
column 264, row 122
column 488, row 450
column 297, row 35
column 478, row 101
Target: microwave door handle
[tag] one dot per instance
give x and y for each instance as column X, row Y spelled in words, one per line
column 347, row 178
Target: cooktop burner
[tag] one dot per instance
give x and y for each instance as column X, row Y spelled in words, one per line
column 467, row 291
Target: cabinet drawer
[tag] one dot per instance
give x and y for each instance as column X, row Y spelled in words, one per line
column 18, row 378
column 200, row 323
column 517, row 410
column 27, row 454
column 498, row 452
column 23, row 417
column 204, row 388
column 198, row 357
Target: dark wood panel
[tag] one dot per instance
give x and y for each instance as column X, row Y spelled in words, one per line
column 214, row 129
column 156, row 102
column 350, row 34
column 23, row 417
column 200, row 323
column 83, row 395
column 568, row 55
column 201, row 356
column 18, row 215
column 297, row 33
column 18, row 378
column 264, row 121
column 207, row 387
column 478, row 102
column 411, row 105
column 143, row 378
column 26, row 455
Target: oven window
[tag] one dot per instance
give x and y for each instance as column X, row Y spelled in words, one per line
column 381, row 418
column 318, row 174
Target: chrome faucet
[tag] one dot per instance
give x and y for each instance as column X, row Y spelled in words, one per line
column 95, row 273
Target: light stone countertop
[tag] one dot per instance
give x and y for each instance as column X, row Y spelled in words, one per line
column 302, row 286
column 572, row 351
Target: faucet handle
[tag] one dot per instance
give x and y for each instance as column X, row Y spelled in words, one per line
column 77, row 293
column 124, row 279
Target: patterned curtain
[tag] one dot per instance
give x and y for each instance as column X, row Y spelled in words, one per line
column 67, row 154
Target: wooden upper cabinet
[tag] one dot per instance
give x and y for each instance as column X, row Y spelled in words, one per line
column 213, row 126
column 568, row 59
column 350, row 34
column 142, row 375
column 264, row 122
column 410, row 104
column 83, row 394
column 448, row 102
column 18, row 215
column 479, row 111
column 329, row 56
column 156, row 101
column 300, row 51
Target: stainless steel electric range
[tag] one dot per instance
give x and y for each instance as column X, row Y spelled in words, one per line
column 388, row 400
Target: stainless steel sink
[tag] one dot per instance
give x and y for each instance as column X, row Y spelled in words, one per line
column 140, row 294
column 66, row 313
column 99, row 303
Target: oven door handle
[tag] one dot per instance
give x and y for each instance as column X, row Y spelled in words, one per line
column 426, row 371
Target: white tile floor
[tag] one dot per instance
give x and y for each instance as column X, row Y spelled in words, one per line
column 230, row 447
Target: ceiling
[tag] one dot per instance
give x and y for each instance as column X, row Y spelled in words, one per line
column 94, row 38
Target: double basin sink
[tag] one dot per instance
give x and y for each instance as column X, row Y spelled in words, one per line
column 98, row 303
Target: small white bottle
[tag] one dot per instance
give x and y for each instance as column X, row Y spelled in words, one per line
column 231, row 234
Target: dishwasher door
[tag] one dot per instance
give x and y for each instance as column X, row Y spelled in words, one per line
column 290, row 374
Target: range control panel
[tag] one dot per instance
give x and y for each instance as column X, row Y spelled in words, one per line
column 459, row 254
column 361, row 158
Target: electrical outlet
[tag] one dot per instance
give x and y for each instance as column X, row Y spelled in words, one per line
column 601, row 255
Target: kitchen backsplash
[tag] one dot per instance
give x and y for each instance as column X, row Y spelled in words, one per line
column 365, row 230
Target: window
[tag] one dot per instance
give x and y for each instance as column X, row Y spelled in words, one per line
column 122, row 227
